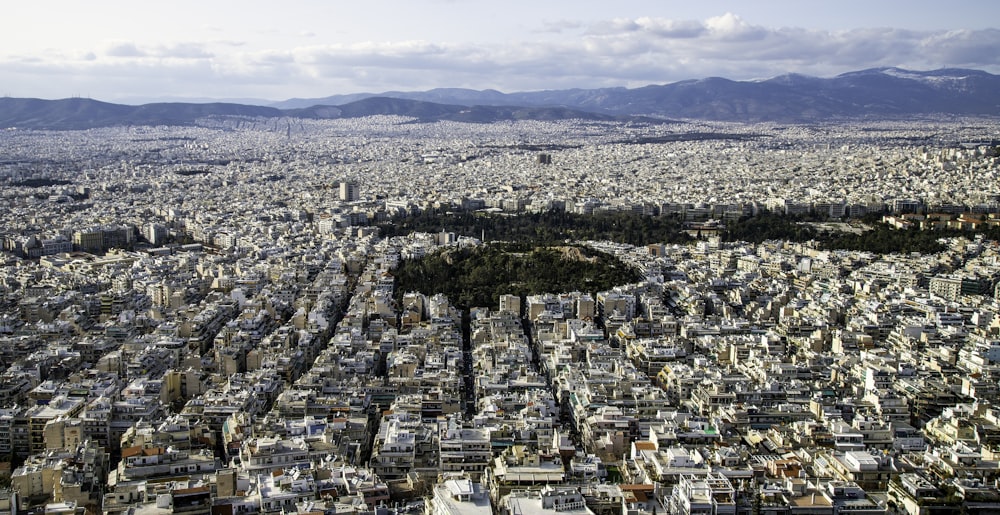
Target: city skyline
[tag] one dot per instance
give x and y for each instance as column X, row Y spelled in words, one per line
column 128, row 52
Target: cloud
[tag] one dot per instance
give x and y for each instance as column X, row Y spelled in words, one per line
column 123, row 49
column 181, row 50
column 399, row 55
column 729, row 46
column 963, row 47
column 558, row 27
column 671, row 28
column 559, row 54
column 184, row 51
column 727, row 27
column 613, row 27
column 731, row 27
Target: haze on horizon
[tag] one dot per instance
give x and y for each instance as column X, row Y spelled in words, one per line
column 126, row 51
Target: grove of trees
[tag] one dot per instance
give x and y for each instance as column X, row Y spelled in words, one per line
column 477, row 276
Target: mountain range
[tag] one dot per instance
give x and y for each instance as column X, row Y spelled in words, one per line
column 871, row 94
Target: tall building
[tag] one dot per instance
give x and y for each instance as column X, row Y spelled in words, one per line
column 156, row 233
column 349, row 192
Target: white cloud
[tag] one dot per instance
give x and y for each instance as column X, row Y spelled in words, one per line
column 612, row 52
column 184, row 51
column 180, row 50
column 123, row 49
column 672, row 29
column 731, row 27
column 963, row 47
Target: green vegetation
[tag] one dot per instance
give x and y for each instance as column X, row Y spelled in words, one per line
column 546, row 228
column 555, row 227
column 478, row 276
column 542, row 262
column 769, row 226
column 883, row 239
column 40, row 183
column 880, row 239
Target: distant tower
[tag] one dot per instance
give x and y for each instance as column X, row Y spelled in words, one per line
column 544, row 159
column 349, row 192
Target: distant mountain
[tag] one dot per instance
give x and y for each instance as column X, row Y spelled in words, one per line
column 431, row 111
column 82, row 113
column 85, row 113
column 458, row 96
column 874, row 93
column 140, row 100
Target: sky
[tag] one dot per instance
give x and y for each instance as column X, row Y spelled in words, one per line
column 144, row 50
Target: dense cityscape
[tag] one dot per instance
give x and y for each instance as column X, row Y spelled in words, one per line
column 206, row 319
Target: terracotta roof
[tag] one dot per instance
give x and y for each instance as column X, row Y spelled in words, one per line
column 128, row 452
column 644, row 488
column 645, row 446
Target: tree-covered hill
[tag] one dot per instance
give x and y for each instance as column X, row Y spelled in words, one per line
column 477, row 276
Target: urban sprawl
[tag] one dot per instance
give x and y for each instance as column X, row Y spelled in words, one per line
column 205, row 320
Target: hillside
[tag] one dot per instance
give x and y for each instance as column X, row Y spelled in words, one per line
column 879, row 93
